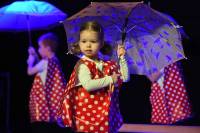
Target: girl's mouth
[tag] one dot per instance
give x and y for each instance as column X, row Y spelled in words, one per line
column 88, row 51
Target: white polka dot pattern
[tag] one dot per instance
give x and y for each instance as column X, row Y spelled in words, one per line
column 44, row 99
column 170, row 103
column 96, row 111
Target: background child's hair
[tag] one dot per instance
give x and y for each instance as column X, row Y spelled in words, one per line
column 93, row 26
column 49, row 39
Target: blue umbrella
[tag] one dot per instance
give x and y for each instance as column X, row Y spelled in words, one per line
column 29, row 15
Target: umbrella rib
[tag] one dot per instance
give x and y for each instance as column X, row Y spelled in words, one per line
column 131, row 29
column 115, row 22
column 125, row 24
column 118, row 28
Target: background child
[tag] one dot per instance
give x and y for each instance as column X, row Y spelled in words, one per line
column 169, row 100
column 49, row 83
column 90, row 102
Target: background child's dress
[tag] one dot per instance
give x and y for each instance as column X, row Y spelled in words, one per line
column 46, row 92
column 169, row 98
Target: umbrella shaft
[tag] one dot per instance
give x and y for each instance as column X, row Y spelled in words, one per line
column 29, row 30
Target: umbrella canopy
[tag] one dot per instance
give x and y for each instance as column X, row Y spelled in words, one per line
column 29, row 15
column 175, row 24
column 37, row 14
column 151, row 40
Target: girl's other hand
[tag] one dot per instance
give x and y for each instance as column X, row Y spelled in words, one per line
column 115, row 77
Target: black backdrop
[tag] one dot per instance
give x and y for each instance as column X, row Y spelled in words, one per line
column 134, row 98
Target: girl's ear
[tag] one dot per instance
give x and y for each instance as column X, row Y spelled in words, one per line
column 75, row 48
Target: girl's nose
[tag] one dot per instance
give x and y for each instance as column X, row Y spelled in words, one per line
column 88, row 44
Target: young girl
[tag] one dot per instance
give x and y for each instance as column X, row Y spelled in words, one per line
column 90, row 102
column 49, row 83
column 169, row 100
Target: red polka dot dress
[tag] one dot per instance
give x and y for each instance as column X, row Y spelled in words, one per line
column 95, row 111
column 170, row 102
column 44, row 98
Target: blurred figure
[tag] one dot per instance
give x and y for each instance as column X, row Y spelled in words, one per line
column 169, row 99
column 48, row 85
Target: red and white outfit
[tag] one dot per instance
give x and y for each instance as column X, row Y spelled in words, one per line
column 47, row 89
column 169, row 98
column 92, row 110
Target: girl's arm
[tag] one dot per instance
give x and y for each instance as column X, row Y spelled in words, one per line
column 123, row 63
column 90, row 84
column 124, row 69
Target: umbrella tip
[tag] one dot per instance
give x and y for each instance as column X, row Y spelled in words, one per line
column 68, row 52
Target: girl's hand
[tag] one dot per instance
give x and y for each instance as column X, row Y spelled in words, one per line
column 115, row 77
column 121, row 50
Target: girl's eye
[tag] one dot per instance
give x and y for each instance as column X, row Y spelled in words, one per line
column 93, row 41
column 83, row 41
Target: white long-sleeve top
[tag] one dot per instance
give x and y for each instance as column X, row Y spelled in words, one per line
column 84, row 75
column 161, row 78
column 42, row 69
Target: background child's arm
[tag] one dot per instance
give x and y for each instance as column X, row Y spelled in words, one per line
column 90, row 84
column 33, row 69
column 33, row 57
column 155, row 76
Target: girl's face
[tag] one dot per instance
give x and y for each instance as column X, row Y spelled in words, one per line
column 89, row 43
column 42, row 49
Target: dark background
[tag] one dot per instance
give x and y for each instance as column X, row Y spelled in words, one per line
column 134, row 98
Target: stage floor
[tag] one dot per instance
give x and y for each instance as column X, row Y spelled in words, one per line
column 148, row 128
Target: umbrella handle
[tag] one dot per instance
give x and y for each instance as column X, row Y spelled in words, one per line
column 29, row 36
